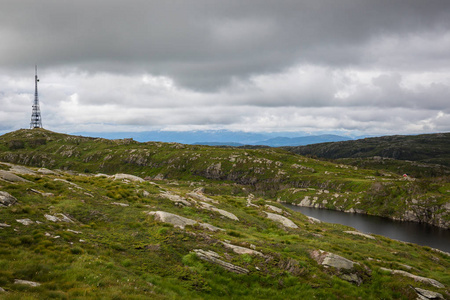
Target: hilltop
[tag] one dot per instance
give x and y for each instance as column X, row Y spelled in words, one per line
column 424, row 155
column 67, row 234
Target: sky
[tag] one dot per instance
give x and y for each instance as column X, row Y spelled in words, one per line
column 374, row 67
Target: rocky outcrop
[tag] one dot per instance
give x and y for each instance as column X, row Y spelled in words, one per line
column 26, row 282
column 426, row 294
column 218, row 210
column 213, row 257
column 60, row 218
column 274, row 208
column 25, row 222
column 242, row 250
column 179, row 221
column 423, row 212
column 8, row 176
column 6, row 199
column 360, row 234
column 175, row 198
column 200, row 197
column 426, row 280
column 128, row 177
column 328, row 259
column 281, row 219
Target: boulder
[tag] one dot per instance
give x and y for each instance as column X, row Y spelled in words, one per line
column 426, row 280
column 21, row 170
column 120, row 204
column 281, row 219
column 179, row 221
column 426, row 294
column 274, row 208
column 2, row 290
column 360, row 234
column 220, row 211
column 313, row 220
column 6, row 199
column 241, row 250
column 26, row 282
column 213, row 257
column 25, row 222
column 175, row 198
column 338, row 262
column 175, row 220
column 328, row 259
column 127, row 177
column 200, row 197
column 46, row 171
column 8, row 176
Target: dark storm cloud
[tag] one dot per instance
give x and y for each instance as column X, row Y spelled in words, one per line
column 203, row 44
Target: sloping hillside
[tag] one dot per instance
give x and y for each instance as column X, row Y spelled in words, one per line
column 70, row 235
column 270, row 173
column 430, row 153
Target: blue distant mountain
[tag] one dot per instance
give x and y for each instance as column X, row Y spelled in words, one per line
column 223, row 137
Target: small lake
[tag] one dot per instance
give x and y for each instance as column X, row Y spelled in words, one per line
column 421, row 234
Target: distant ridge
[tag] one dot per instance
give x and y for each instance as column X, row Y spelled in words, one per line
column 426, row 148
column 222, row 137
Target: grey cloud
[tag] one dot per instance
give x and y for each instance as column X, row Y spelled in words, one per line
column 203, row 44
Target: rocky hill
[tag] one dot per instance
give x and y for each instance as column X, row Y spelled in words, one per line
column 68, row 234
column 265, row 172
column 426, row 154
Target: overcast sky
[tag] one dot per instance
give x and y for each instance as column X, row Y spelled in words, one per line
column 349, row 66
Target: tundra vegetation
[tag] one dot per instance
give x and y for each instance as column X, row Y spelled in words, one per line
column 86, row 218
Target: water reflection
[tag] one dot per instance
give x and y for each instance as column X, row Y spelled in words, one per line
column 412, row 232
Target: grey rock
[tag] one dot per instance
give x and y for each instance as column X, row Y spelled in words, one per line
column 430, row 281
column 175, row 198
column 25, row 222
column 26, row 282
column 179, row 221
column 41, row 193
column 426, row 294
column 313, row 220
column 6, row 199
column 120, row 204
column 213, row 257
column 274, row 208
column 46, row 171
column 127, row 177
column 200, row 197
column 4, row 225
column 220, row 211
column 360, row 234
column 8, row 176
column 337, row 261
column 2, row 290
column 281, row 219
column 242, row 250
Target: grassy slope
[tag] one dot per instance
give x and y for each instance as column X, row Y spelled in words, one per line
column 272, row 173
column 122, row 253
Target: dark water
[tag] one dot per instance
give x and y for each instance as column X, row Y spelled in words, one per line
column 421, row 234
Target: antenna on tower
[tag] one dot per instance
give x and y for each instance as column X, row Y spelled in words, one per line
column 36, row 120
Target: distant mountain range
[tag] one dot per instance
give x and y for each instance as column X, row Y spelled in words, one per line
column 223, row 137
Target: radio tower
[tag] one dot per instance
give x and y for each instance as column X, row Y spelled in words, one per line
column 36, row 120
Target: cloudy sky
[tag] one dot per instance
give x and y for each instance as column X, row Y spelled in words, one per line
column 347, row 66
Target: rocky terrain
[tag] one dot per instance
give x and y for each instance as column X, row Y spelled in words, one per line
column 269, row 173
column 79, row 235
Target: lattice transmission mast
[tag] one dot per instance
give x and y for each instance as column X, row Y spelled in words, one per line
column 36, row 120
